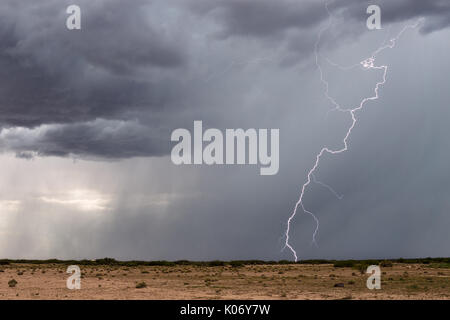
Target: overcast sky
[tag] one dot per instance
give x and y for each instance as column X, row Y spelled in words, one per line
column 86, row 118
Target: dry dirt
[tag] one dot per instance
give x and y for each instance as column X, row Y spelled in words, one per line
column 248, row 282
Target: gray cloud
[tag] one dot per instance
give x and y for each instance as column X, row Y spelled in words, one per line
column 98, row 139
column 135, row 61
column 263, row 18
column 117, row 64
column 437, row 12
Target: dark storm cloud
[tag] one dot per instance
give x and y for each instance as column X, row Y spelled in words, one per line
column 436, row 12
column 294, row 24
column 130, row 62
column 105, row 138
column 117, row 63
column 261, row 18
column 117, row 67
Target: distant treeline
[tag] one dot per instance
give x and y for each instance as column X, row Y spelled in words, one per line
column 234, row 263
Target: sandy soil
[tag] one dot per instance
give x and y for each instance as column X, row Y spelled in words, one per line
column 226, row 282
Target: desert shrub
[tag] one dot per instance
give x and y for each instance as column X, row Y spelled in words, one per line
column 315, row 261
column 215, row 263
column 361, row 267
column 440, row 265
column 182, row 262
column 141, row 285
column 162, row 263
column 344, row 264
column 386, row 264
column 12, row 283
column 106, row 261
column 236, row 264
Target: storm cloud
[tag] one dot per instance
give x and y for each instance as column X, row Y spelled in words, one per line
column 136, row 63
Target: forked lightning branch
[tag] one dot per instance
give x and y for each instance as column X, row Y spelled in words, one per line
column 367, row 64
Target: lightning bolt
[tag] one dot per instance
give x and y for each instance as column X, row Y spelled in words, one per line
column 366, row 64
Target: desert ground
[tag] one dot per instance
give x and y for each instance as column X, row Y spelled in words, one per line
column 279, row 281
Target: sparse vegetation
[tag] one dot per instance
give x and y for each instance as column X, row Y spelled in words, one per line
column 433, row 262
column 233, row 280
